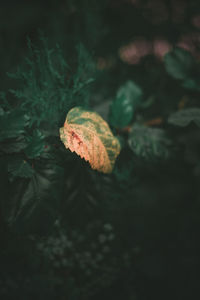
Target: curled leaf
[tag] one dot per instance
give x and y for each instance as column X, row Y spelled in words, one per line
column 87, row 134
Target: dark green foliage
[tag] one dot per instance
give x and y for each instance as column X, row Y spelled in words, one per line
column 68, row 232
column 35, row 143
column 12, row 123
column 33, row 199
column 13, row 145
column 48, row 86
column 19, row 168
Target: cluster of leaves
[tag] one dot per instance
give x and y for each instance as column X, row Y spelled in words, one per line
column 43, row 182
column 151, row 140
column 29, row 130
column 40, row 182
column 49, row 85
column 147, row 143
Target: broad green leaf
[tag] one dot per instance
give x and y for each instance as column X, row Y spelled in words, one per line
column 148, row 143
column 123, row 107
column 185, row 116
column 18, row 167
column 12, row 124
column 87, row 134
column 179, row 63
column 35, row 144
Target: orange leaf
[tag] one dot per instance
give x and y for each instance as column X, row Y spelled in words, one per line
column 87, row 134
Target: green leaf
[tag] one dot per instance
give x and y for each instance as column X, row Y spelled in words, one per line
column 35, row 144
column 185, row 116
column 12, row 124
column 123, row 107
column 179, row 63
column 18, row 167
column 148, row 143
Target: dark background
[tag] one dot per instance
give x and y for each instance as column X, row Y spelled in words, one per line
column 153, row 207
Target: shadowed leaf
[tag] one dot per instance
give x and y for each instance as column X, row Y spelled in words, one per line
column 148, row 143
column 19, row 168
column 179, row 63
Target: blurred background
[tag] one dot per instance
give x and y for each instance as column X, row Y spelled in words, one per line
column 125, row 35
